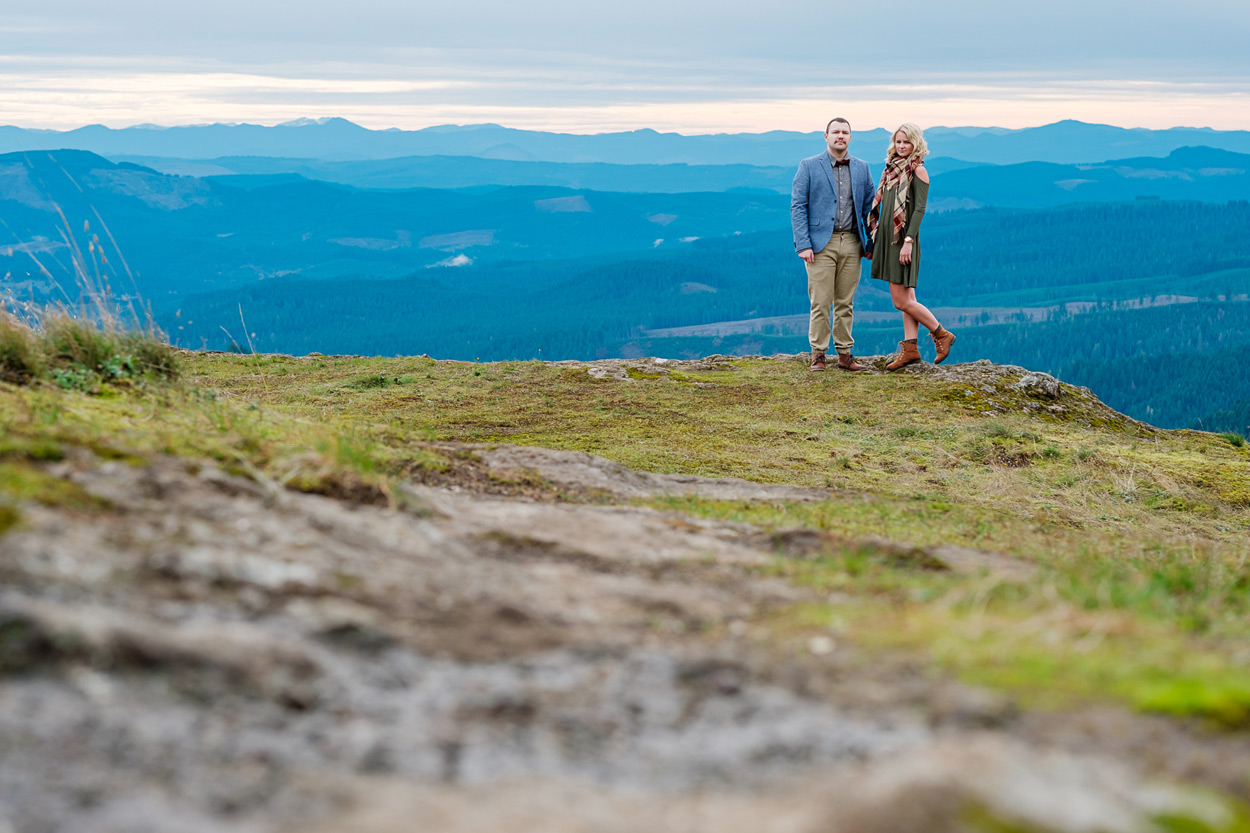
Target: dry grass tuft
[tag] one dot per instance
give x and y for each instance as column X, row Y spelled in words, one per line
column 80, row 346
column 21, row 360
column 79, row 353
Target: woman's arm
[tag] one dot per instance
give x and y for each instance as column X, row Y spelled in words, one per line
column 920, row 197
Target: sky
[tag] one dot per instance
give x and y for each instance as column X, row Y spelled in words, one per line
column 586, row 67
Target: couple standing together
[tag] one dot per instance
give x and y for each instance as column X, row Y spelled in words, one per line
column 838, row 218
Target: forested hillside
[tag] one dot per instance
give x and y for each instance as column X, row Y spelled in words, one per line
column 1106, row 260
column 998, row 257
column 182, row 234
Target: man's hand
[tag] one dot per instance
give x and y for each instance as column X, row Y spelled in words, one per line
column 808, row 255
column 867, row 255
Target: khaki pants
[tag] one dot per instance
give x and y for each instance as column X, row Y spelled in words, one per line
column 832, row 277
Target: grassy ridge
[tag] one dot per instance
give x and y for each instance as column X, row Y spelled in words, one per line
column 1139, row 535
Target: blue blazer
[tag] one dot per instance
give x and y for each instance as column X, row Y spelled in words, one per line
column 814, row 202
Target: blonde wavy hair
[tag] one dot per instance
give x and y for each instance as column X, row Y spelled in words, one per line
column 915, row 135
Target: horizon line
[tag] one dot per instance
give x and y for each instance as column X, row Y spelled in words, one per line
column 321, row 121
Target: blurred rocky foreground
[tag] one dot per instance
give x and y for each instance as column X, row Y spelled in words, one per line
column 208, row 652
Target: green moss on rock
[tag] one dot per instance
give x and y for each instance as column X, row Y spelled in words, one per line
column 23, row 481
column 9, row 518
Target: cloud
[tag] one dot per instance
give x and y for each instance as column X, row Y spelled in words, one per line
column 458, row 260
column 119, row 98
column 565, row 65
column 122, row 100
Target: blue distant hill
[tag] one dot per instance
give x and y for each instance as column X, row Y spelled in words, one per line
column 1192, row 173
column 1064, row 142
column 185, row 234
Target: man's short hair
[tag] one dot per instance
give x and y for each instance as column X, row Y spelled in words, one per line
column 839, row 118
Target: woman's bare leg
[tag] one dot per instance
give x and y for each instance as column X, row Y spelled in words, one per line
column 914, row 312
column 911, row 328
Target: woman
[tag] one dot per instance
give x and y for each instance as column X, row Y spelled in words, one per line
column 901, row 199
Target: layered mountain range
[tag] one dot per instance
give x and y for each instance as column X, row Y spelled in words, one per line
column 1061, row 142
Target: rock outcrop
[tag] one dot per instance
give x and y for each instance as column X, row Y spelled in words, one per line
column 204, row 651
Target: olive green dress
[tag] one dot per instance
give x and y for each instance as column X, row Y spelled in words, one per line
column 885, row 265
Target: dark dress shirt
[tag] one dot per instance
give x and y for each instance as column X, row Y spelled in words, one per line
column 845, row 219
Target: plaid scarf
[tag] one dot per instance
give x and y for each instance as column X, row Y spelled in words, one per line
column 896, row 176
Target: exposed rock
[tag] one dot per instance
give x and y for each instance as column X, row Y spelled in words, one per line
column 580, row 472
column 1039, row 384
column 625, row 370
column 986, row 783
column 955, row 705
column 965, row 787
column 967, row 560
column 621, row 536
column 233, row 653
column 219, row 651
column 234, row 568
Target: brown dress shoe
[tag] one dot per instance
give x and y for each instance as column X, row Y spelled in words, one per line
column 942, row 340
column 818, row 361
column 847, row 362
column 907, row 353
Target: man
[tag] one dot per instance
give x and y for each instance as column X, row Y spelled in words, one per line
column 829, row 207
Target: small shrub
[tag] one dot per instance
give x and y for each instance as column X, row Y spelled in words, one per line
column 74, row 378
column 1051, row 453
column 119, row 367
column 1234, row 438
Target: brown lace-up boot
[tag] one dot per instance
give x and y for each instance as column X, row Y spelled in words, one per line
column 907, row 353
column 847, row 362
column 942, row 340
column 818, row 361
